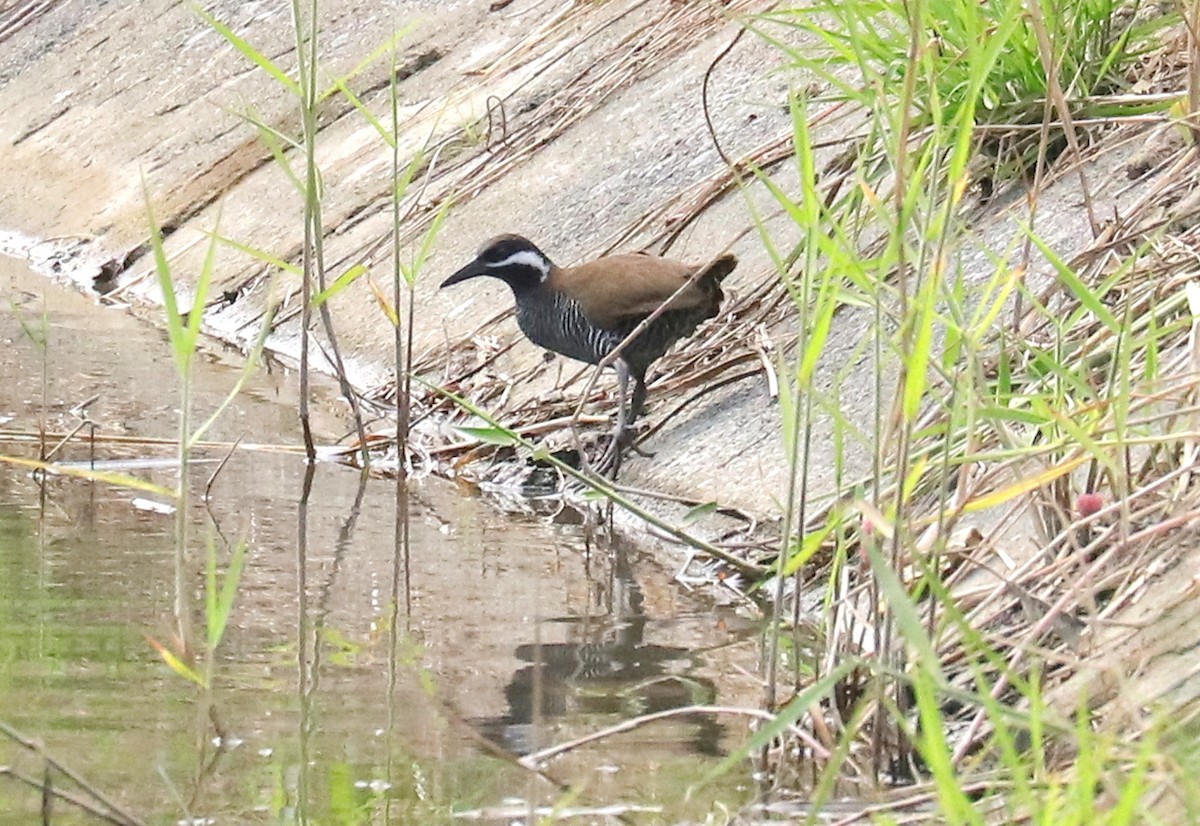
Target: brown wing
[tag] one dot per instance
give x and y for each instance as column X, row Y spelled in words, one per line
column 621, row 288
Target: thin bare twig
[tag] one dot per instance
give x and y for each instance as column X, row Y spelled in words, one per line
column 538, row 757
column 116, row 814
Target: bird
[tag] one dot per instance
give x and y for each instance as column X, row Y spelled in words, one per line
column 585, row 312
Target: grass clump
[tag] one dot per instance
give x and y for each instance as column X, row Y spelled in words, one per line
column 1003, row 396
column 1012, row 68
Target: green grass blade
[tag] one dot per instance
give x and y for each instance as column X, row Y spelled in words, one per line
column 260, row 255
column 809, row 545
column 176, row 331
column 340, row 283
column 798, row 706
column 490, row 435
column 195, row 317
column 365, row 111
column 220, row 602
column 278, row 145
column 249, row 367
column 916, row 378
column 427, row 240
column 1075, row 285
column 388, row 46
column 904, row 610
column 248, row 51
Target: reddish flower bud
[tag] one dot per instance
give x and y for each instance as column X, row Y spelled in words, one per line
column 1089, row 503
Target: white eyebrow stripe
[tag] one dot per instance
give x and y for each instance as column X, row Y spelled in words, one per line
column 528, row 258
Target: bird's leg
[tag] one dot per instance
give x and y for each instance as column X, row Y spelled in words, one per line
column 636, row 407
column 622, row 393
column 639, row 398
column 610, row 460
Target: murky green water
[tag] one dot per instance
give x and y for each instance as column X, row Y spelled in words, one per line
column 356, row 683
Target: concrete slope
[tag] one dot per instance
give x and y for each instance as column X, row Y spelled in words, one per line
column 569, row 122
column 579, row 124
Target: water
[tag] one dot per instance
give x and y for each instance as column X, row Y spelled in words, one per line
column 355, row 683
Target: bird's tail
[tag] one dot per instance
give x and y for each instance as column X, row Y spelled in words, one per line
column 714, row 272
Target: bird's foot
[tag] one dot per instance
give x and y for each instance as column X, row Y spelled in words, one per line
column 609, row 461
column 634, row 447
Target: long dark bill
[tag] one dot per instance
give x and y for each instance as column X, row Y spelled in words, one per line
column 475, row 268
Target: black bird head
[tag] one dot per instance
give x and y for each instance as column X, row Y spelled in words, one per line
column 511, row 258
